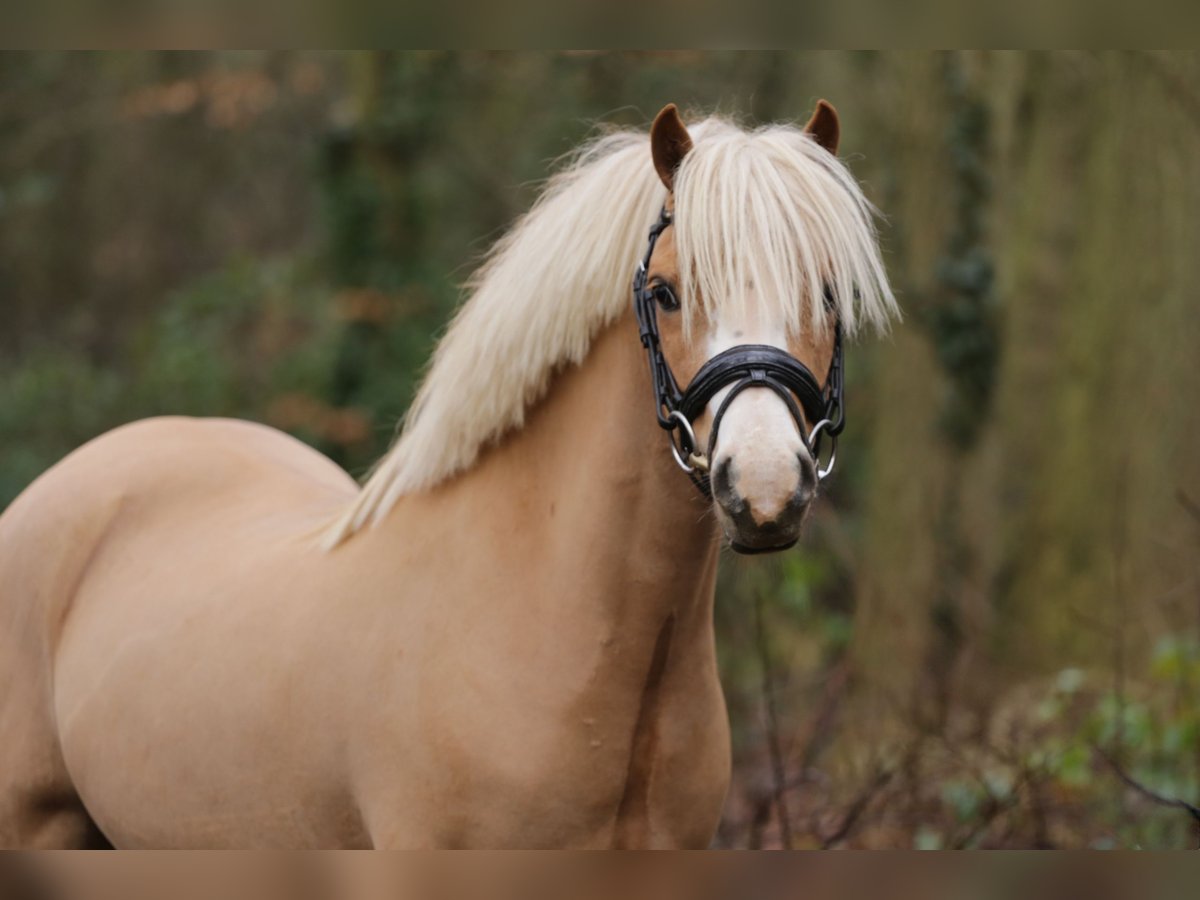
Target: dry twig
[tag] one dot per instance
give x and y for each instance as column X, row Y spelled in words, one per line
column 1149, row 793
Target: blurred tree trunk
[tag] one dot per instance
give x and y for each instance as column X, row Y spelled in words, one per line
column 1096, row 185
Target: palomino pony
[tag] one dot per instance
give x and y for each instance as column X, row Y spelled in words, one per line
column 211, row 637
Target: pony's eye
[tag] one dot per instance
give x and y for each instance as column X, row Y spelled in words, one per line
column 665, row 297
column 830, row 305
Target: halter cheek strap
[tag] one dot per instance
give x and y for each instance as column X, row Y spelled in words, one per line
column 739, row 368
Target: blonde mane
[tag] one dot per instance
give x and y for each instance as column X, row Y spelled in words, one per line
column 768, row 206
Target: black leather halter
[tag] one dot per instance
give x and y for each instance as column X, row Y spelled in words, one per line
column 744, row 366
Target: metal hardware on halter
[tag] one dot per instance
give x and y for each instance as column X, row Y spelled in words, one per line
column 814, row 449
column 684, row 450
column 739, row 368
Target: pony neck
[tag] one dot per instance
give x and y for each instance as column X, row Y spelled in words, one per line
column 585, row 496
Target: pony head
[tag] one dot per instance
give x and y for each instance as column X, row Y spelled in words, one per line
column 766, row 242
column 771, row 242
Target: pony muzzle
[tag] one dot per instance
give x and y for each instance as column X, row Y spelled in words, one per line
column 764, row 479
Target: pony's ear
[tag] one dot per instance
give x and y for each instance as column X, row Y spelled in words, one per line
column 824, row 126
column 669, row 144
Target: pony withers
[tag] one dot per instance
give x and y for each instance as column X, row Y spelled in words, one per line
column 210, row 636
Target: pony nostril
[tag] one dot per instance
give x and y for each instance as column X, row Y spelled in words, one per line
column 722, row 482
column 806, row 489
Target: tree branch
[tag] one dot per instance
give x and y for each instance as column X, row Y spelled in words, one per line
column 1149, row 793
column 774, row 742
column 857, row 808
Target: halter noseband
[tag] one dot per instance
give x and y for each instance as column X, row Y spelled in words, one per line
column 744, row 366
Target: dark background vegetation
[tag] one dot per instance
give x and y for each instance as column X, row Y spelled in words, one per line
column 991, row 636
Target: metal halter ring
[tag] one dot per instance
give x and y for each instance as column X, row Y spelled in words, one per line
column 814, row 438
column 687, row 438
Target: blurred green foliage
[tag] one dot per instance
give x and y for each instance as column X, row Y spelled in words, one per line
column 962, row 316
column 224, row 345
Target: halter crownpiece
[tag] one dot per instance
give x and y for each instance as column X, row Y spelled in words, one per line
column 744, row 366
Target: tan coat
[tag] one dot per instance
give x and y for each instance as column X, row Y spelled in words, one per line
column 522, row 657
